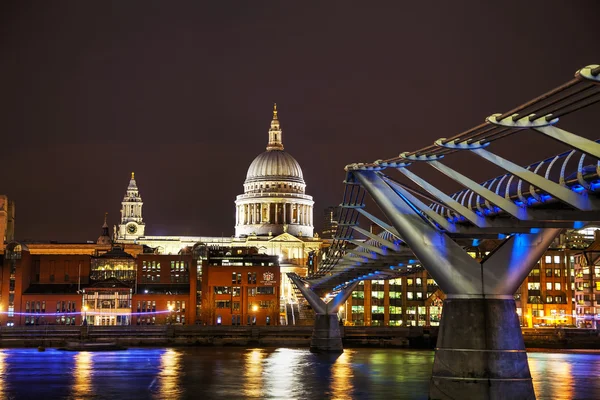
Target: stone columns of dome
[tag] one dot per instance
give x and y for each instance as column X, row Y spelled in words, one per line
column 253, row 214
column 237, row 214
column 268, row 212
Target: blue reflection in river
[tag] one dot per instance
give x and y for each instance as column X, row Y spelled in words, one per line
column 235, row 373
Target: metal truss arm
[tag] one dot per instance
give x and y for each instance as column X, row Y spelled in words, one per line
column 434, row 249
column 369, row 247
column 437, row 218
column 449, row 201
column 503, row 203
column 553, row 189
column 506, row 268
column 334, row 305
column 313, row 299
column 377, row 238
column 379, row 222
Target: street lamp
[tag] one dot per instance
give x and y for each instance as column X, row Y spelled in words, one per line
column 254, row 309
column 171, row 307
column 84, row 308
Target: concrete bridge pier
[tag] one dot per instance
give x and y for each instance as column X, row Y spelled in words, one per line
column 326, row 337
column 480, row 352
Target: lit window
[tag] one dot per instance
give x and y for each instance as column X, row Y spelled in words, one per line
column 409, row 295
column 556, row 259
column 548, row 285
column 557, row 286
column 548, row 259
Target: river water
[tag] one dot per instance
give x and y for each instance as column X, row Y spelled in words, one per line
column 282, row 373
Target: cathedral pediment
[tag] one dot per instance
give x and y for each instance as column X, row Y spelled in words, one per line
column 285, row 237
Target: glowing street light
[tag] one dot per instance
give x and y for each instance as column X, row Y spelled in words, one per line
column 255, row 308
column 171, row 308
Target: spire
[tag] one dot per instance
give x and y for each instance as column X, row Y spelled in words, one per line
column 275, row 142
column 132, row 184
column 105, row 236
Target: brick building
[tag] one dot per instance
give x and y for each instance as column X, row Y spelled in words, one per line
column 240, row 287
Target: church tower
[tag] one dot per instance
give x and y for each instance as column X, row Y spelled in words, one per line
column 132, row 225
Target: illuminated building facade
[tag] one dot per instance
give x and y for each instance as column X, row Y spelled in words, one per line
column 132, row 225
column 587, row 286
column 412, row 300
column 545, row 298
column 274, row 199
column 240, row 287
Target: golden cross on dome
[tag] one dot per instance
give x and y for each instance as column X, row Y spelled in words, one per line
column 274, row 110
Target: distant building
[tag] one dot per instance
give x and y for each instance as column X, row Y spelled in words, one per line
column 7, row 221
column 331, row 216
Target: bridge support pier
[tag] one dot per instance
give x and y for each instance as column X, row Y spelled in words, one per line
column 327, row 336
column 480, row 352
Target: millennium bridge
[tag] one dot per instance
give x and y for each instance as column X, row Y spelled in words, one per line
column 480, row 352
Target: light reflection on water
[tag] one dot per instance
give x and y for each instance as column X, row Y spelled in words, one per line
column 82, row 374
column 235, row 373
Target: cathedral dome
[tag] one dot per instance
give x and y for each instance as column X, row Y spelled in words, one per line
column 274, row 165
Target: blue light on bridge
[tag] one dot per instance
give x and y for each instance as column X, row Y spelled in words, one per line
column 475, row 242
column 519, row 203
column 595, row 185
column 577, row 188
column 578, row 224
column 501, row 236
column 545, row 197
column 531, row 201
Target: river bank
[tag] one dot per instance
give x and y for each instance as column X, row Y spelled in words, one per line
column 266, row 336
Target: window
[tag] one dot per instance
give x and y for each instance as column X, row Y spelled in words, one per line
column 223, row 304
column 533, row 286
column 409, row 295
column 236, row 306
column 557, row 272
column 251, row 291
column 419, row 295
column 548, row 299
column 265, row 290
column 548, row 259
column 418, row 282
column 556, row 259
column 222, row 290
column 557, row 286
column 548, row 272
column 548, row 285
column 233, row 278
column 236, row 291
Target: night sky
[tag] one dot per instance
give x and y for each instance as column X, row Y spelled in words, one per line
column 182, row 92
